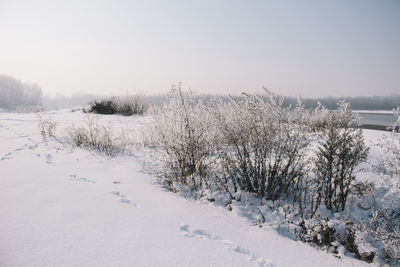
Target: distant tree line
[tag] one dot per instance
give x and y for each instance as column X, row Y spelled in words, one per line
column 15, row 93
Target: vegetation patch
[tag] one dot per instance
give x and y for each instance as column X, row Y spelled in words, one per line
column 126, row 106
column 98, row 137
column 299, row 164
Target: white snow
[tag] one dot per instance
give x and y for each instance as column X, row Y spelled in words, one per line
column 61, row 206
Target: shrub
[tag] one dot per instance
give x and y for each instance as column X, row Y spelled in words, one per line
column 385, row 228
column 319, row 118
column 46, row 126
column 253, row 147
column 131, row 105
column 383, row 221
column 98, row 137
column 182, row 132
column 264, row 144
column 341, row 149
column 127, row 106
column 391, row 146
column 252, row 144
column 103, row 107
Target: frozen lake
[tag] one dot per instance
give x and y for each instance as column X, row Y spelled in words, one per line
column 380, row 119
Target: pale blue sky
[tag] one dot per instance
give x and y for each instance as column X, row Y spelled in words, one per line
column 311, row 48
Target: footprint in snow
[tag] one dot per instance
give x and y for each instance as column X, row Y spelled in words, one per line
column 76, row 178
column 33, row 147
column 7, row 156
column 203, row 234
column 123, row 198
column 21, row 148
column 49, row 159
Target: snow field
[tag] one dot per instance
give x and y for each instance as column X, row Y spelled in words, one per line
column 62, row 206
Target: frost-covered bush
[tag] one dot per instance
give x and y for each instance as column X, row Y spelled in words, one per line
column 391, row 146
column 335, row 235
column 320, row 232
column 98, row 137
column 381, row 224
column 183, row 132
column 264, row 144
column 319, row 118
column 47, row 126
column 126, row 106
column 385, row 229
column 131, row 105
column 385, row 220
column 254, row 154
column 340, row 151
column 14, row 93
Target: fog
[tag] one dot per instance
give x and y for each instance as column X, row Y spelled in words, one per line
column 15, row 93
column 61, row 101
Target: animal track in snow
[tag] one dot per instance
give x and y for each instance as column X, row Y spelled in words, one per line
column 21, row 148
column 32, row 147
column 74, row 177
column 203, row 234
column 49, row 159
column 123, row 198
column 7, row 156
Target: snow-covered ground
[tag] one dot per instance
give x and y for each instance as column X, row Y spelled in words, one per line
column 62, row 206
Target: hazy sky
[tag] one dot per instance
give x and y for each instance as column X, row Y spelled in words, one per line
column 311, row 48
